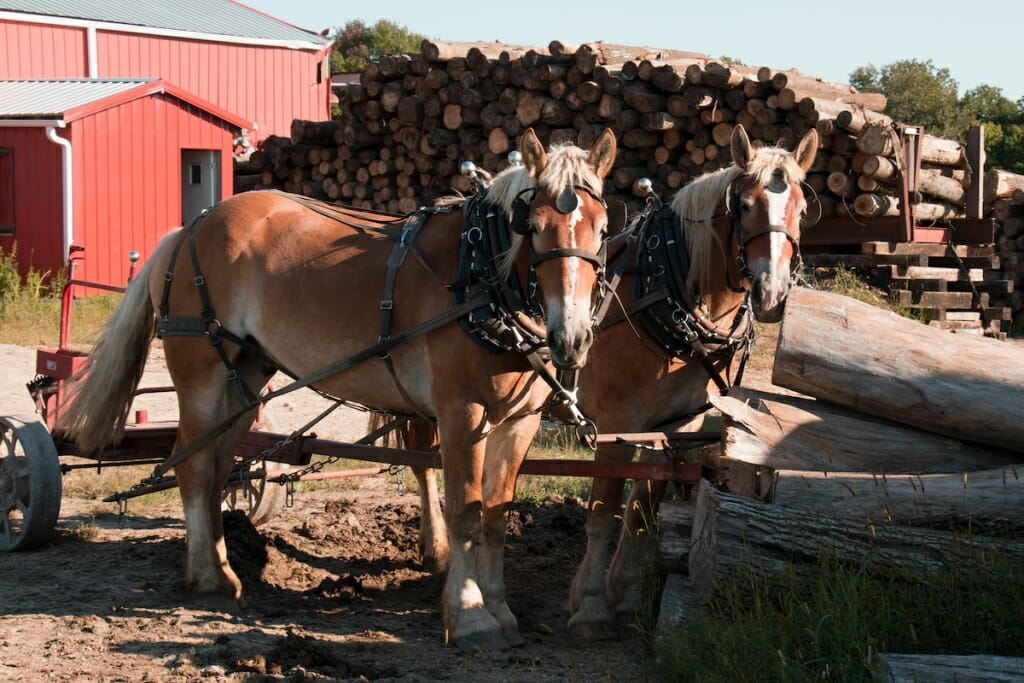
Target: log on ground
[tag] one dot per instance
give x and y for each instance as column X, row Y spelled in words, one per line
column 986, row 499
column 799, row 433
column 732, row 534
column 875, row 362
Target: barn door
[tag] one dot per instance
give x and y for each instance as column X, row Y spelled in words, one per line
column 200, row 182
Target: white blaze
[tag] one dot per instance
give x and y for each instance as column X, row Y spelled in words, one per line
column 777, row 203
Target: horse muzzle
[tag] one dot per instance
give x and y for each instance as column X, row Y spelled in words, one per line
column 768, row 296
column 569, row 346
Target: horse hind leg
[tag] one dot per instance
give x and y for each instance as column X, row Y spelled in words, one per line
column 203, row 476
column 591, row 618
column 634, row 567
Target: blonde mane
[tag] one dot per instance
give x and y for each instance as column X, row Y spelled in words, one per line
column 697, row 205
column 567, row 166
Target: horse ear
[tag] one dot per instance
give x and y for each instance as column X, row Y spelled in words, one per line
column 534, row 157
column 602, row 154
column 742, row 153
column 807, row 149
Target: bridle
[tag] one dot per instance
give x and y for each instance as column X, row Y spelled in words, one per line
column 743, row 237
column 566, row 202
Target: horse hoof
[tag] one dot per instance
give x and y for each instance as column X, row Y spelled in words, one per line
column 514, row 638
column 592, row 630
column 480, row 640
column 433, row 565
column 218, row 602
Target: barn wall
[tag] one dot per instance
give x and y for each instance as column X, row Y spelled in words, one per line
column 30, row 51
column 271, row 86
column 128, row 177
column 268, row 85
column 38, row 220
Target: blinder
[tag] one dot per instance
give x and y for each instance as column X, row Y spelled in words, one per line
column 566, row 202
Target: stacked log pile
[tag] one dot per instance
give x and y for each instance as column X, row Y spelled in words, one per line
column 896, row 456
column 413, row 118
column 1004, row 195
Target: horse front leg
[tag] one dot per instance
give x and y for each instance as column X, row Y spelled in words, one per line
column 590, row 617
column 507, row 446
column 468, row 623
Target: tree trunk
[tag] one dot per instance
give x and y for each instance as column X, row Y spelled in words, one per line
column 876, row 362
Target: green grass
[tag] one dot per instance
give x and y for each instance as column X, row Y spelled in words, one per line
column 831, row 626
column 30, row 308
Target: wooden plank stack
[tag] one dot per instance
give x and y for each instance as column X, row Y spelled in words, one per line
column 1004, row 197
column 413, row 118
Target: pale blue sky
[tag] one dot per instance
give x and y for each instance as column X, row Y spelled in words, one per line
column 977, row 44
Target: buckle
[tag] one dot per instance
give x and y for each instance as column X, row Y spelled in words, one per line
column 387, row 304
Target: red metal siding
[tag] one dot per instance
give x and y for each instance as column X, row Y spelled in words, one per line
column 128, row 177
column 37, row 199
column 39, row 51
column 271, row 86
column 268, row 85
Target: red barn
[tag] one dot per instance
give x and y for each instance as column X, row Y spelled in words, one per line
column 118, row 120
column 109, row 164
column 237, row 58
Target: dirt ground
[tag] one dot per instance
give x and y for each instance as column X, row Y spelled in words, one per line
column 334, row 590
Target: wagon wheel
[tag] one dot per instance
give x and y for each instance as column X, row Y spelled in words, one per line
column 30, row 484
column 259, row 500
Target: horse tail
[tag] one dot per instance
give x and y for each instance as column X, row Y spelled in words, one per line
column 95, row 409
column 399, row 437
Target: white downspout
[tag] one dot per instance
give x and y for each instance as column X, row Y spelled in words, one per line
column 68, row 208
column 90, row 51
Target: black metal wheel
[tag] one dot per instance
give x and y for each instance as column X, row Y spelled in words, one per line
column 30, row 484
column 251, row 493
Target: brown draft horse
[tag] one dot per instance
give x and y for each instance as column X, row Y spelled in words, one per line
column 276, row 282
column 728, row 234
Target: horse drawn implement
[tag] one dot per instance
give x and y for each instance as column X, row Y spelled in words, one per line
column 270, row 266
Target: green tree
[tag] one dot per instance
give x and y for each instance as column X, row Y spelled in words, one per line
column 919, row 93
column 356, row 44
column 986, row 104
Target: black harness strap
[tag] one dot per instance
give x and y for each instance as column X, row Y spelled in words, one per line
column 207, row 325
column 403, row 245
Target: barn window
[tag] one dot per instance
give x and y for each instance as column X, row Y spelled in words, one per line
column 195, row 174
column 6, row 191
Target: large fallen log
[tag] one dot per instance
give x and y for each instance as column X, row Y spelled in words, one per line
column 875, row 362
column 789, row 432
column 733, row 533
column 950, row 668
column 991, row 499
